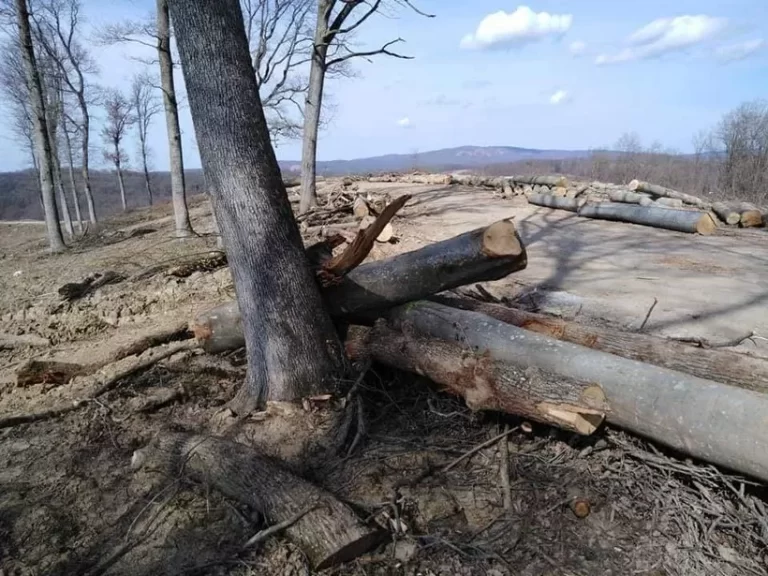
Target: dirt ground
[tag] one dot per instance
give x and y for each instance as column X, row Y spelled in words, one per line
column 70, row 503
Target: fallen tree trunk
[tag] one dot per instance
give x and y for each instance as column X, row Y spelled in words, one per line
column 714, row 422
column 485, row 383
column 479, row 255
column 629, row 197
column 750, row 216
column 681, row 220
column 10, row 341
column 656, row 190
column 559, row 181
column 727, row 212
column 329, row 533
column 49, row 372
column 722, row 366
column 560, row 203
column 668, row 202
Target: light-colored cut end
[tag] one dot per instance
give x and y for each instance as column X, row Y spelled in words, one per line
column 579, row 420
column 751, row 219
column 500, row 239
column 634, row 185
column 706, row 225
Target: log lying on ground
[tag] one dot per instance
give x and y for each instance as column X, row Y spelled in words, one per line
column 668, row 202
column 543, row 180
column 50, row 372
column 722, row 366
column 75, row 290
column 549, row 201
column 328, row 534
column 656, row 190
column 669, row 218
column 727, row 212
column 482, row 254
column 485, row 383
column 750, row 216
column 714, row 422
column 629, row 197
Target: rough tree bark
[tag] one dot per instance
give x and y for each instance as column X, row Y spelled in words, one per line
column 42, row 140
column 183, row 227
column 326, row 530
column 293, row 349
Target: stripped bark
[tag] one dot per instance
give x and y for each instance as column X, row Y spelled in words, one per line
column 730, row 368
column 485, row 383
column 699, row 417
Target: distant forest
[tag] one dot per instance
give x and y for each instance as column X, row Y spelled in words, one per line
column 20, row 192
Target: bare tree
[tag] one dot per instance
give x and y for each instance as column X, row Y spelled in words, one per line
column 120, row 118
column 335, row 22
column 292, row 347
column 178, row 187
column 145, row 107
column 69, row 132
column 42, row 142
column 157, row 36
column 58, row 25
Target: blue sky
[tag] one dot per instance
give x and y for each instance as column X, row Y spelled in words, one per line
column 566, row 74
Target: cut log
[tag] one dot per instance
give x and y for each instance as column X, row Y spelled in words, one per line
column 730, row 368
column 75, row 290
column 559, row 191
column 681, row 220
column 727, row 212
column 656, row 190
column 668, row 202
column 714, row 422
column 543, row 180
column 328, row 534
column 549, row 201
column 750, row 216
column 629, row 197
column 483, row 254
column 360, row 208
column 486, row 383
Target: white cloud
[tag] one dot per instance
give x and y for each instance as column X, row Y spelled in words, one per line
column 664, row 36
column 577, row 48
column 559, row 97
column 739, row 51
column 404, row 122
column 516, row 28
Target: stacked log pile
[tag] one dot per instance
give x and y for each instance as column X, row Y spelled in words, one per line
column 641, row 203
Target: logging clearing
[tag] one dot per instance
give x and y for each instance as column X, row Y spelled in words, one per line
column 599, row 368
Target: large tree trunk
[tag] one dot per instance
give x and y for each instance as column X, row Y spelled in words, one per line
column 680, row 220
column 71, row 173
column 312, row 108
column 479, row 255
column 58, row 182
column 720, row 365
column 292, row 346
column 326, row 530
column 147, row 181
column 557, row 181
column 42, row 140
column 486, row 383
column 183, row 227
column 728, row 212
column 708, row 420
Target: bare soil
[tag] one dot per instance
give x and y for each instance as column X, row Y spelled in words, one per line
column 70, row 504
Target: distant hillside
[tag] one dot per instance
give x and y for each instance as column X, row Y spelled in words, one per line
column 463, row 157
column 19, row 196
